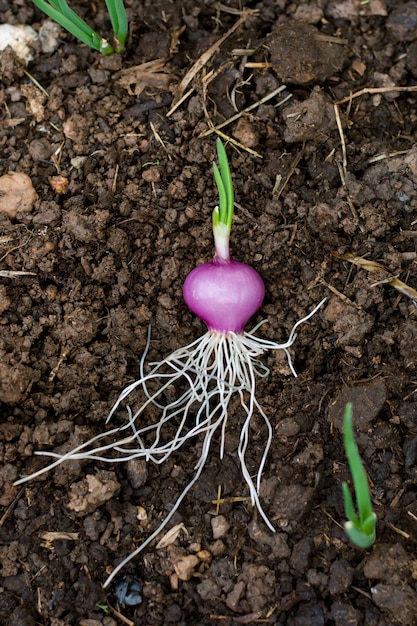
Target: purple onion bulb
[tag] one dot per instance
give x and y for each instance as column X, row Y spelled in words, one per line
column 224, row 294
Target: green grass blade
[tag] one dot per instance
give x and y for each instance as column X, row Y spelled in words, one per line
column 63, row 13
column 220, row 217
column 226, row 176
column 369, row 525
column 60, row 5
column 76, row 27
column 59, row 11
column 360, row 480
column 66, row 11
column 349, row 506
column 361, row 529
column 119, row 22
column 56, row 3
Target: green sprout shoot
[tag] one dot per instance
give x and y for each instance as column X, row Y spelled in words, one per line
column 223, row 214
column 59, row 11
column 360, row 529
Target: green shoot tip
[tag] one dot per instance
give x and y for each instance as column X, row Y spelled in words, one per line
column 361, row 527
column 224, row 184
column 222, row 215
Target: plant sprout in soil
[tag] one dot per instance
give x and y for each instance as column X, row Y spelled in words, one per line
column 361, row 529
column 59, row 11
column 205, row 375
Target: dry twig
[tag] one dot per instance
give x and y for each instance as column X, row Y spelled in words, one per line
column 269, row 96
column 372, row 90
column 13, row 274
column 202, row 62
column 294, row 164
column 374, row 266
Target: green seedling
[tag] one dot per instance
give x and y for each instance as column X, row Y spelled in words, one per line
column 222, row 215
column 360, row 528
column 59, row 11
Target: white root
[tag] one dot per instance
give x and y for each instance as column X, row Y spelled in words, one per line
column 213, row 368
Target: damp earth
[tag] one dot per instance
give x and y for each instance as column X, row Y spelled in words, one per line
column 106, row 193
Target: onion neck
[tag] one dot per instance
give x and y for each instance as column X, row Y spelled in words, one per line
column 221, row 234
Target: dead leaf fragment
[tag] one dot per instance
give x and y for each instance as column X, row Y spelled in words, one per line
column 150, row 74
column 15, row 274
column 35, row 100
column 203, row 60
column 59, row 184
column 55, row 535
column 16, row 194
column 12, row 122
column 175, row 38
column 171, row 536
column 49, row 537
column 386, row 276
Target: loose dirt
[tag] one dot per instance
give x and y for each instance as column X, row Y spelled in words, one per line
column 113, row 159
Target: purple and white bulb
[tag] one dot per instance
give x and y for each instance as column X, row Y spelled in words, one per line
column 224, row 294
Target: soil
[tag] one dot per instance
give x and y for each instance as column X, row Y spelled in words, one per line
column 115, row 197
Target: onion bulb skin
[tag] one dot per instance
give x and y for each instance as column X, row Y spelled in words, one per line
column 224, row 294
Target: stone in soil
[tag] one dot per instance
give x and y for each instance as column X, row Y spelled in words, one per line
column 301, row 54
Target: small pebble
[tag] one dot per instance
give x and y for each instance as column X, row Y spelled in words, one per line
column 220, row 526
column 402, row 21
column 245, row 133
column 367, row 399
column 151, row 175
column 300, row 55
column 17, row 194
column 137, row 472
column 341, row 577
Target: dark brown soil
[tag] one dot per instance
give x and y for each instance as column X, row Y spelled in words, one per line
column 108, row 246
